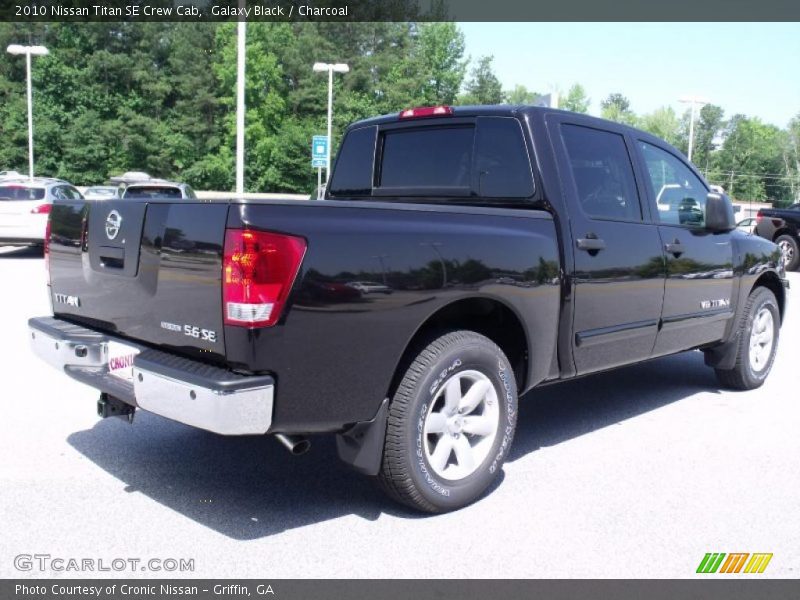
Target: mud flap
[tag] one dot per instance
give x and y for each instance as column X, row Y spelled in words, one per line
column 361, row 445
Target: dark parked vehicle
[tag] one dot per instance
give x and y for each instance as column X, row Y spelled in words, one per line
column 782, row 226
column 523, row 246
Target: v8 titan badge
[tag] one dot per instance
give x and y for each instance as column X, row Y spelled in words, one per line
column 113, row 224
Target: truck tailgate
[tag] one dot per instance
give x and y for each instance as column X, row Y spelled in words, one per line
column 149, row 270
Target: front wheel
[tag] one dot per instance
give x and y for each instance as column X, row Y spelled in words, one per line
column 759, row 330
column 451, row 424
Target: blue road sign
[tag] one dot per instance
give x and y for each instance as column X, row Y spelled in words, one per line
column 319, row 163
column 319, row 147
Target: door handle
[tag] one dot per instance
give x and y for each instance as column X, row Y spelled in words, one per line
column 591, row 243
column 675, row 248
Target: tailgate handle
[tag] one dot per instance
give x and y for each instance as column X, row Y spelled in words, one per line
column 111, row 257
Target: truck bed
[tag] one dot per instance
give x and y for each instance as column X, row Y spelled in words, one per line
column 373, row 272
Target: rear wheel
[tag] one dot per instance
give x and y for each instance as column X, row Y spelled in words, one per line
column 758, row 342
column 789, row 252
column 451, row 424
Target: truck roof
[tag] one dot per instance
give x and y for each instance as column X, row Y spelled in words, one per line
column 511, row 110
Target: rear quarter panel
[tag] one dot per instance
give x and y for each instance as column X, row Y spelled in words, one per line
column 336, row 349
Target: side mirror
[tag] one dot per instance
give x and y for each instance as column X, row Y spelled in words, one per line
column 719, row 213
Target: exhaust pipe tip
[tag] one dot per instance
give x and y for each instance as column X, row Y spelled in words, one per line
column 295, row 444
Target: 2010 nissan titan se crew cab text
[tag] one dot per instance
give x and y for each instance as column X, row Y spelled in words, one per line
column 460, row 258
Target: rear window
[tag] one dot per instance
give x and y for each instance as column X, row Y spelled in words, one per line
column 433, row 157
column 21, row 192
column 105, row 192
column 153, row 192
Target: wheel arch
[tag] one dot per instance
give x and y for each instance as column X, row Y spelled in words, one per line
column 723, row 356
column 785, row 230
column 485, row 315
column 772, row 282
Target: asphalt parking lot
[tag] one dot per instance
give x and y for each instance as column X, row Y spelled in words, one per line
column 635, row 473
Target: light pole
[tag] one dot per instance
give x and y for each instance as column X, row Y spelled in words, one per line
column 331, row 69
column 692, row 101
column 240, row 86
column 29, row 51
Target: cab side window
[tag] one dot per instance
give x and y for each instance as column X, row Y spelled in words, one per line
column 503, row 166
column 680, row 195
column 603, row 174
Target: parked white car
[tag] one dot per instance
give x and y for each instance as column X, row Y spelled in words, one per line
column 747, row 225
column 24, row 207
column 370, row 287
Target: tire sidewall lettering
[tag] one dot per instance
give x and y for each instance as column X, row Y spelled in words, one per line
column 506, row 395
column 763, row 373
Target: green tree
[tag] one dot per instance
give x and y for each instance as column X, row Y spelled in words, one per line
column 707, row 129
column 617, row 108
column 483, row 86
column 662, row 122
column 750, row 160
column 441, row 62
column 521, row 95
column 576, row 99
column 791, row 159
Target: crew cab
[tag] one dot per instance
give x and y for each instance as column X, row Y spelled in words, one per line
column 522, row 246
column 782, row 226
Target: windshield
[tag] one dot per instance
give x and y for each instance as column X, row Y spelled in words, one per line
column 153, row 191
column 21, row 192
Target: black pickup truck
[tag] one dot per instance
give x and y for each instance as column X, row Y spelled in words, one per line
column 461, row 257
column 782, row 226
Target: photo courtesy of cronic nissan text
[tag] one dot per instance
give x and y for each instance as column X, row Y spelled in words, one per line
column 430, row 299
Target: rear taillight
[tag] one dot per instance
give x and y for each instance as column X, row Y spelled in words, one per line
column 759, row 215
column 46, row 247
column 426, row 111
column 258, row 270
column 42, row 209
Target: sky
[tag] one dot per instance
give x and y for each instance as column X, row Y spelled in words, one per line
column 749, row 68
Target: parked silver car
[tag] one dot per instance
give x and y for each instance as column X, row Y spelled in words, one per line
column 159, row 189
column 102, row 192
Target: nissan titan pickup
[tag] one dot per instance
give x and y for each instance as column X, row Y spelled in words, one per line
column 504, row 247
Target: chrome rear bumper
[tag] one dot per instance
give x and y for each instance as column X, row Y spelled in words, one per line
column 178, row 388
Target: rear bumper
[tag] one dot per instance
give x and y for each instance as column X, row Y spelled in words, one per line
column 21, row 230
column 178, row 388
column 20, row 241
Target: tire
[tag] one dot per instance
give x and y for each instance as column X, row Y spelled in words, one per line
column 759, row 330
column 789, row 251
column 476, row 438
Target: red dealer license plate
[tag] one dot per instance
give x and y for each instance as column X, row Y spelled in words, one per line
column 120, row 360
